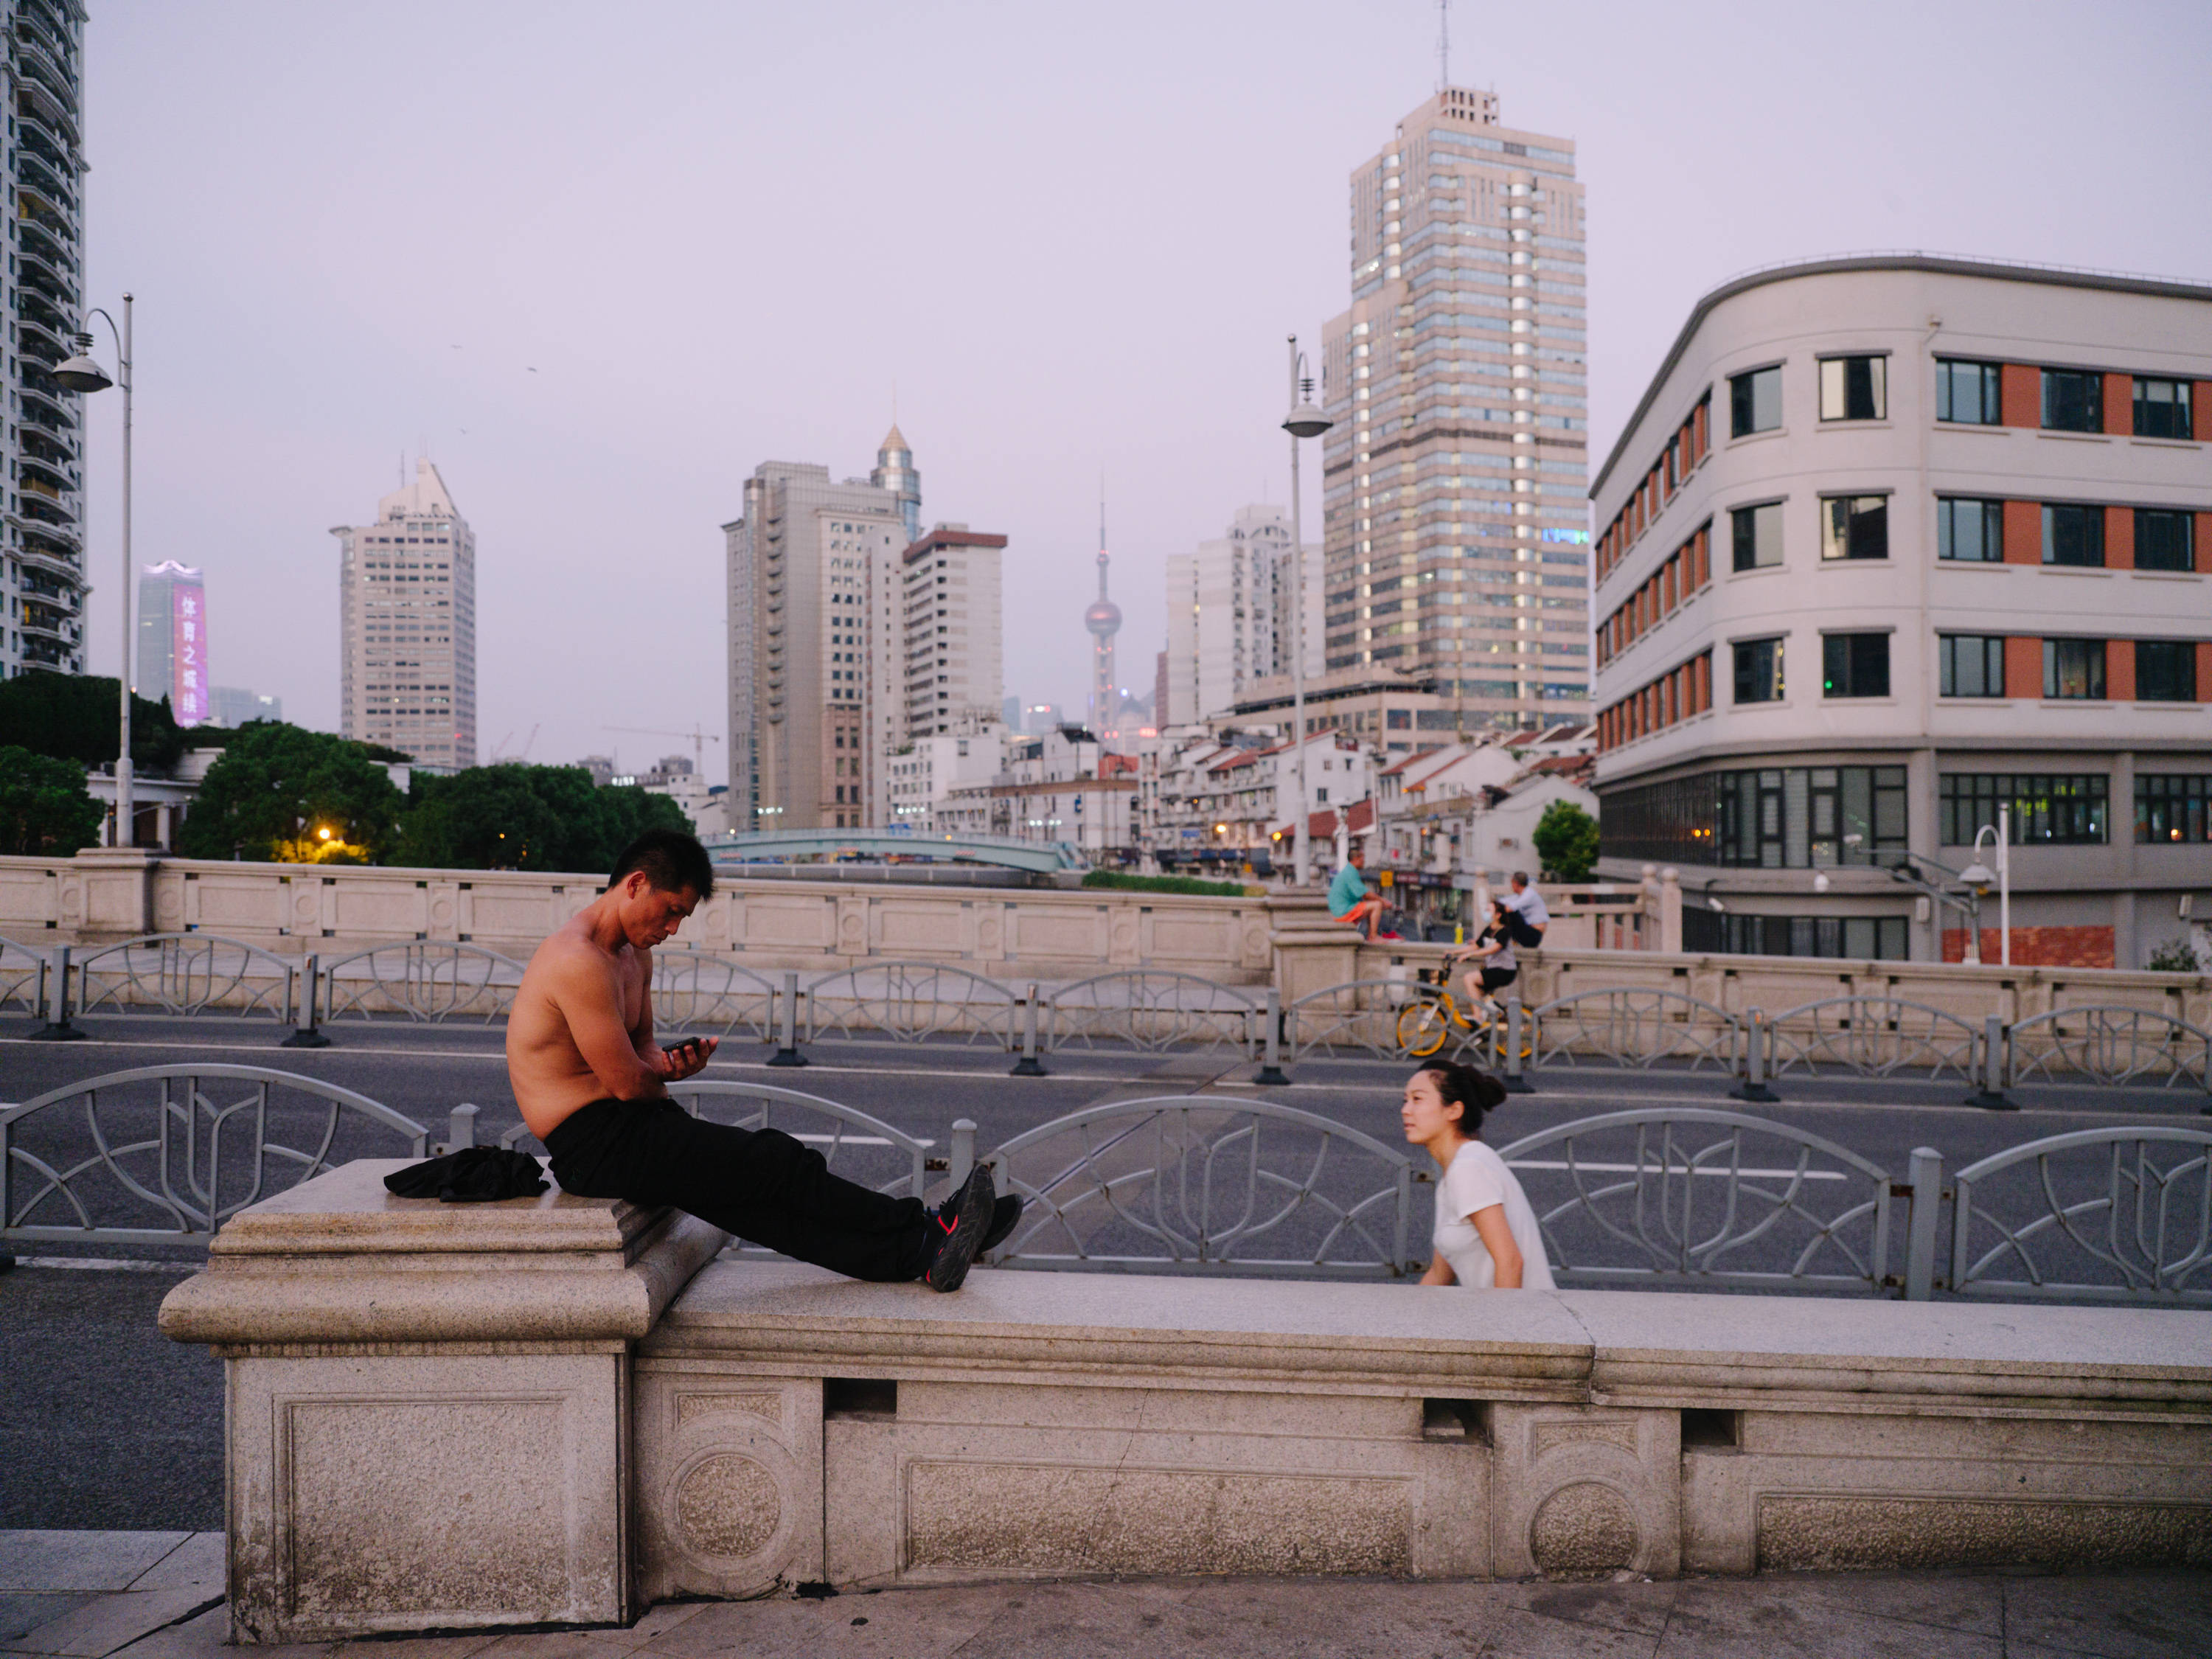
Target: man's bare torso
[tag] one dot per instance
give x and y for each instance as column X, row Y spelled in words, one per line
column 550, row 1076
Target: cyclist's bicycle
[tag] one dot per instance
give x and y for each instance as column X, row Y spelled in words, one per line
column 1426, row 1024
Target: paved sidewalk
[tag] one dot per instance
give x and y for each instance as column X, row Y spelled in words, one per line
column 155, row 1596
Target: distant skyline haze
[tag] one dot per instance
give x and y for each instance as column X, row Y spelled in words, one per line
column 604, row 268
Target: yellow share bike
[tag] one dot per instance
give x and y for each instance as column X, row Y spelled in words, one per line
column 1426, row 1024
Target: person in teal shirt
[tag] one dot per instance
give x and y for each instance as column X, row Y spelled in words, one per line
column 1349, row 900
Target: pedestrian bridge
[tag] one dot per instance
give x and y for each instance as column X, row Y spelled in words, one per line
column 1043, row 857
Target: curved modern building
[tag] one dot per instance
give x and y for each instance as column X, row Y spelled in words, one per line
column 1892, row 542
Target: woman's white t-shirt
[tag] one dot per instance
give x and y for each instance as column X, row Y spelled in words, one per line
column 1477, row 1179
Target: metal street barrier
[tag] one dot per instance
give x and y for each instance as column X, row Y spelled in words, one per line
column 1198, row 1183
column 711, row 994
column 1151, row 1011
column 1871, row 1036
column 185, row 973
column 1634, row 1029
column 2109, row 1046
column 162, row 1154
column 23, row 976
column 428, row 982
column 912, row 1002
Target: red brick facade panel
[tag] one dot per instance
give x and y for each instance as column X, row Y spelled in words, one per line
column 2120, row 670
column 2019, row 394
column 2120, row 537
column 2023, row 528
column 2203, row 670
column 2023, row 664
column 2037, row 947
column 2203, row 540
column 2120, row 402
column 2200, row 417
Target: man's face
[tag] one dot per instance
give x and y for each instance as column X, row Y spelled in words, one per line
column 1519, row 885
column 1358, row 858
column 649, row 914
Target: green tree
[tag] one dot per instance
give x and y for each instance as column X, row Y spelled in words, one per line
column 516, row 816
column 76, row 717
column 45, row 809
column 278, row 787
column 1566, row 840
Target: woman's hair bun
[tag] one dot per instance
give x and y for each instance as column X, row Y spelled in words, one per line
column 1470, row 1088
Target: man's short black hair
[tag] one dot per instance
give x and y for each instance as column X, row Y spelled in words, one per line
column 671, row 861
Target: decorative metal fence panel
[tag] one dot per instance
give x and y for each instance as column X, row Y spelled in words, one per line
column 185, row 973
column 23, row 978
column 1360, row 1016
column 2109, row 1046
column 426, row 981
column 1150, row 1011
column 2125, row 1214
column 1872, row 1036
column 912, row 1002
column 694, row 990
column 1196, row 1184
column 1689, row 1195
column 1633, row 1028
column 163, row 1154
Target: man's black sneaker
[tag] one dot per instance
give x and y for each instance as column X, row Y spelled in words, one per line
column 1005, row 1215
column 958, row 1226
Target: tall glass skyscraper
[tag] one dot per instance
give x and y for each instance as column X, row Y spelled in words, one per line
column 1455, row 486
column 172, row 641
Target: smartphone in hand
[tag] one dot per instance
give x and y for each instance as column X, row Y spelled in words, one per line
column 689, row 1051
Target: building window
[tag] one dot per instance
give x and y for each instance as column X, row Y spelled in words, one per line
column 2164, row 540
column 2073, row 535
column 1855, row 666
column 1881, row 939
column 1757, row 533
column 2170, row 807
column 2046, row 811
column 1853, row 389
column 2073, row 400
column 2161, row 408
column 1854, row 527
column 2165, row 671
column 1781, row 817
column 1967, row 393
column 1973, row 664
column 1758, row 671
column 2074, row 668
column 1969, row 531
column 1755, row 402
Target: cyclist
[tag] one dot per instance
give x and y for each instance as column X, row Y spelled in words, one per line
column 1490, row 964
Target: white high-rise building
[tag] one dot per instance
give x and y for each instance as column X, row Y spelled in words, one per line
column 951, row 660
column 407, row 626
column 1231, row 616
column 1456, row 523
column 817, row 638
column 42, row 575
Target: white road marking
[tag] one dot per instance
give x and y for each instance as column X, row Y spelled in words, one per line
column 1654, row 1169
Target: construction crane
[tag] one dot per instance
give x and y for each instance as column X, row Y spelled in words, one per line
column 699, row 737
column 499, row 751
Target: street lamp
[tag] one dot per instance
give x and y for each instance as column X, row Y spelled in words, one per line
column 80, row 374
column 1979, row 875
column 1305, row 421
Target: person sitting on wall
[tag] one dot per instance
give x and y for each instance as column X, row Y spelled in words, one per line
column 1486, row 1235
column 593, row 1086
column 1490, row 964
column 1350, row 901
column 1527, row 913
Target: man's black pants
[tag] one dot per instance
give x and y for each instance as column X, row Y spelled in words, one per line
column 760, row 1184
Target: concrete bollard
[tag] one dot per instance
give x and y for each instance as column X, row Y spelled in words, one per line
column 57, row 1027
column 962, row 1164
column 1926, row 1186
column 1029, row 1064
column 786, row 1051
column 460, row 1130
column 1753, row 1086
column 1516, row 1081
column 1271, row 1073
column 307, row 1033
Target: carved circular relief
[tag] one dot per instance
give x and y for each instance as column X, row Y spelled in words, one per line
column 728, row 1507
column 1584, row 1527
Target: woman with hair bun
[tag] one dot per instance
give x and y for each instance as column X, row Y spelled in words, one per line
column 1486, row 1236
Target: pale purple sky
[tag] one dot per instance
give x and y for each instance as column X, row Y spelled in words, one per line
column 1073, row 237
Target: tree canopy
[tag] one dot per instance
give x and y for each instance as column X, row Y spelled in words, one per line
column 1566, row 840
column 45, row 809
column 516, row 816
column 278, row 787
column 78, row 717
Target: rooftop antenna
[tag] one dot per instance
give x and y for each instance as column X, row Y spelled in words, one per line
column 1444, row 45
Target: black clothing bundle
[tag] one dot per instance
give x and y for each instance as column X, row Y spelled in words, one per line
column 475, row 1174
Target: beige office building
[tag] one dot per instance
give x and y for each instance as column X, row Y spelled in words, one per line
column 817, row 637
column 1232, row 618
column 407, row 620
column 1457, row 528
column 952, row 662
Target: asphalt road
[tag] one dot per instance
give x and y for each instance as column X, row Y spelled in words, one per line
column 109, row 1426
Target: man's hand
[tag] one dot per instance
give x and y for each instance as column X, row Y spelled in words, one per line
column 686, row 1059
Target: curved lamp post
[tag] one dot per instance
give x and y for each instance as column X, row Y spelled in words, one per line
column 80, row 374
column 1305, row 421
column 1979, row 875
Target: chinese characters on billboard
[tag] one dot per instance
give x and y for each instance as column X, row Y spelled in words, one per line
column 188, row 692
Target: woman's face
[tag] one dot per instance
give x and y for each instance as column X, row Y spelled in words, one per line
column 1425, row 1116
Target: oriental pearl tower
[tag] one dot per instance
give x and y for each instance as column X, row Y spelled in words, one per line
column 1103, row 620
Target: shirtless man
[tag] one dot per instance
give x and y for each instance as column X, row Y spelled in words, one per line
column 593, row 1086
